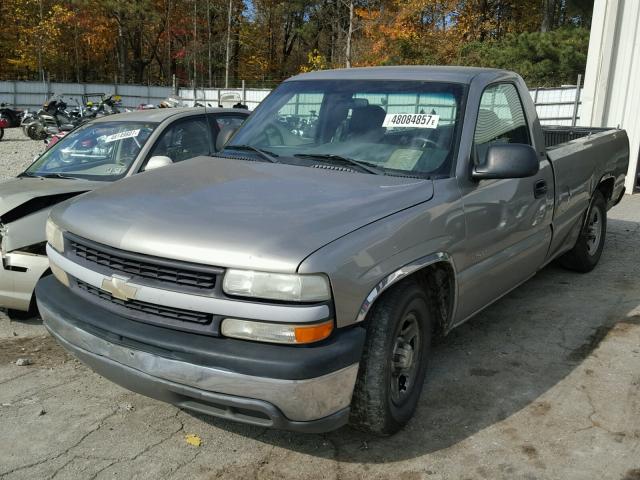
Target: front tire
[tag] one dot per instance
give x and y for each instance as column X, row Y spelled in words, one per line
column 393, row 364
column 587, row 251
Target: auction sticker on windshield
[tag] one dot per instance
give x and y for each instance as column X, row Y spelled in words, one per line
column 121, row 135
column 411, row 120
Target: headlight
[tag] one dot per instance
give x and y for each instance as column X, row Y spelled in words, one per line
column 276, row 332
column 277, row 286
column 54, row 236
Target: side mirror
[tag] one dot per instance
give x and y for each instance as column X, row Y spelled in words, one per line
column 157, row 161
column 509, row 160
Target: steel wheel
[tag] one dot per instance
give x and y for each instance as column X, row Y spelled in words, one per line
column 405, row 358
column 594, row 230
column 586, row 252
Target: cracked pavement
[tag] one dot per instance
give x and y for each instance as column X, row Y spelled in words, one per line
column 544, row 384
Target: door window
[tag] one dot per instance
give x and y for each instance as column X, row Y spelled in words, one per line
column 501, row 119
column 226, row 123
column 233, row 121
column 183, row 140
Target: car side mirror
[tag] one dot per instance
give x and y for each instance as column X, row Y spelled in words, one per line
column 157, row 161
column 508, row 160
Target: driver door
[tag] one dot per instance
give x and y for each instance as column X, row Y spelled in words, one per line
column 508, row 221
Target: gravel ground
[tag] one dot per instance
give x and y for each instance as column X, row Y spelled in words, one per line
column 17, row 152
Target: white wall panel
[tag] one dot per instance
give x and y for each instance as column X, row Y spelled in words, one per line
column 612, row 94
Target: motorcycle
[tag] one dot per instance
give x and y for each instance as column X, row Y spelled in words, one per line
column 54, row 116
column 9, row 118
column 56, row 119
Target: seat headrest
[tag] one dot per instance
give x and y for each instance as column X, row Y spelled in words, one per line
column 365, row 119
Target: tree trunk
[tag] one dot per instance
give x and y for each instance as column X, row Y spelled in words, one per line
column 209, row 42
column 227, row 62
column 122, row 53
column 349, row 35
column 547, row 15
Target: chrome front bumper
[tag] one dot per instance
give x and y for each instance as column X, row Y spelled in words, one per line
column 313, row 405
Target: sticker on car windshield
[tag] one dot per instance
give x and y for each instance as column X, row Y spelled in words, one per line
column 115, row 170
column 121, row 135
column 411, row 120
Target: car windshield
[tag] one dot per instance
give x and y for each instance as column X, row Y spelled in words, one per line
column 96, row 151
column 393, row 127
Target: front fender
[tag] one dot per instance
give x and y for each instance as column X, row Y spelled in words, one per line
column 365, row 262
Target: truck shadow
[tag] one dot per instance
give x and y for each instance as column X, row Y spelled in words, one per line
column 500, row 362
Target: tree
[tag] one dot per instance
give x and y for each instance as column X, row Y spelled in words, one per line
column 149, row 41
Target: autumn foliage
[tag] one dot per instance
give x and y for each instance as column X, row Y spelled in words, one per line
column 151, row 41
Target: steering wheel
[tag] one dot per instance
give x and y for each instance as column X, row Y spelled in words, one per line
column 423, row 142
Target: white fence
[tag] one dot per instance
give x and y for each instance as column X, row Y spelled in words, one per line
column 33, row 94
column 555, row 106
column 227, row 97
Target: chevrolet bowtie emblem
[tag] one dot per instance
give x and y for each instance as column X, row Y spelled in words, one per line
column 118, row 288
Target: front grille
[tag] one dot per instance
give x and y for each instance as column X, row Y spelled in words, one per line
column 168, row 272
column 148, row 308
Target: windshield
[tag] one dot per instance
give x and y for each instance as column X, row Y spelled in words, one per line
column 96, row 151
column 397, row 127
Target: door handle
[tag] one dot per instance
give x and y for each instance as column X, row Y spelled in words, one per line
column 540, row 189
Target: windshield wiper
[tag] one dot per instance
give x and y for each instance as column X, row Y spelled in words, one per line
column 57, row 175
column 269, row 157
column 332, row 158
column 47, row 175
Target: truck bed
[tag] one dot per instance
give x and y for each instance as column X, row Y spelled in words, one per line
column 555, row 136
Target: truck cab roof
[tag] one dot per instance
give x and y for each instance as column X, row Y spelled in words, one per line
column 464, row 75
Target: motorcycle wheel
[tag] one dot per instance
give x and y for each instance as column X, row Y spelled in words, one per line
column 35, row 131
column 1, row 133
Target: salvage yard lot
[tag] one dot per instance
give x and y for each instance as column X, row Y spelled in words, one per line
column 545, row 384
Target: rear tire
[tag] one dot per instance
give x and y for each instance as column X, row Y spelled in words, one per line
column 588, row 249
column 1, row 133
column 393, row 364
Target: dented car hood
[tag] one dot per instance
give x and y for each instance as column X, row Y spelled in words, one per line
column 17, row 191
column 25, row 203
column 237, row 213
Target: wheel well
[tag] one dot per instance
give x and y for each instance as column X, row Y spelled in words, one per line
column 438, row 283
column 606, row 188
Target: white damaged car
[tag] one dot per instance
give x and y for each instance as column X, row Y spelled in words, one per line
column 104, row 150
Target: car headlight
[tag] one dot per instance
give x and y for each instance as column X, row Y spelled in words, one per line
column 277, row 286
column 276, row 332
column 54, row 236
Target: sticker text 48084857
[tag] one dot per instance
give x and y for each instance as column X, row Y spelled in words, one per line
column 411, row 120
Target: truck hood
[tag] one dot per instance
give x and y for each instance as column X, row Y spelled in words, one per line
column 237, row 213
